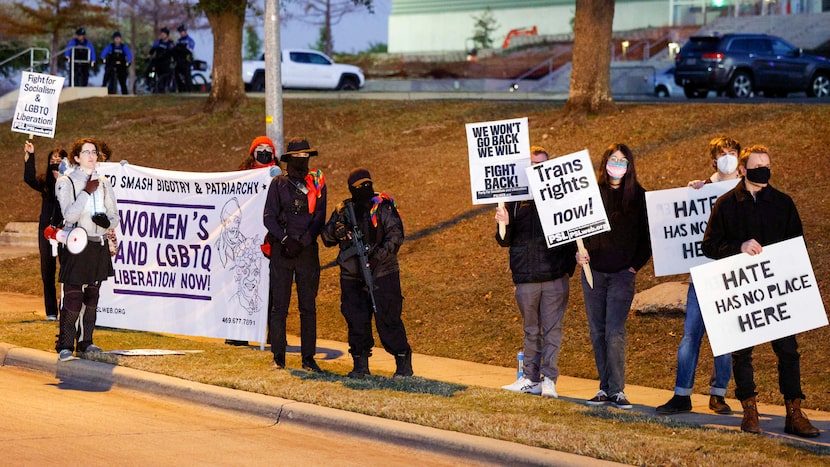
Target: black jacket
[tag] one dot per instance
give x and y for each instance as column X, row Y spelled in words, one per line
column 287, row 210
column 384, row 239
column 49, row 210
column 627, row 244
column 530, row 258
column 768, row 218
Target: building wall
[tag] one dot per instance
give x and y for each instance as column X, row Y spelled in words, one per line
column 446, row 25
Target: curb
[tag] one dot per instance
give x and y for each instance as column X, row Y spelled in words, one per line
column 462, row 445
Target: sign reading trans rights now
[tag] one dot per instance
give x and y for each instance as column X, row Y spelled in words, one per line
column 567, row 198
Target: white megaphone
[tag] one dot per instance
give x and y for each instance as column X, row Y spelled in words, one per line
column 75, row 239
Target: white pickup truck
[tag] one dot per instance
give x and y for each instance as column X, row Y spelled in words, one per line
column 304, row 69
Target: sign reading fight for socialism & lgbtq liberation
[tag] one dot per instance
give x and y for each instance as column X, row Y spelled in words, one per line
column 499, row 151
column 677, row 219
column 567, row 198
column 189, row 260
column 37, row 104
column 748, row 300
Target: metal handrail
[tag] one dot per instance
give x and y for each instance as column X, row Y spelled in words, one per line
column 32, row 62
column 547, row 62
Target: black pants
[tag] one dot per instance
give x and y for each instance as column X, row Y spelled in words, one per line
column 113, row 77
column 81, row 74
column 183, row 78
column 789, row 370
column 305, row 270
column 77, row 318
column 48, row 268
column 356, row 307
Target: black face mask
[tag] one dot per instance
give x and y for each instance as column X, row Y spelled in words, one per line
column 264, row 157
column 759, row 175
column 363, row 193
column 297, row 167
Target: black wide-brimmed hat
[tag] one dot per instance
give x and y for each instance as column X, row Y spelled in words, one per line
column 297, row 146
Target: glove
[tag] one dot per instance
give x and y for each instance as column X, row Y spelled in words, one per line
column 101, row 220
column 340, row 231
column 291, row 248
column 91, row 185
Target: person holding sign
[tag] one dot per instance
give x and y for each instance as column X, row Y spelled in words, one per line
column 743, row 220
column 724, row 152
column 542, row 279
column 614, row 258
column 87, row 201
column 50, row 214
column 295, row 212
column 367, row 227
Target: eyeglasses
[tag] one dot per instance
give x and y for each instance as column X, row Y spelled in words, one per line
column 89, row 152
column 618, row 160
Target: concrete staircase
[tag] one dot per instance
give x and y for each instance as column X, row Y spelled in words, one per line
column 19, row 234
column 8, row 102
column 807, row 31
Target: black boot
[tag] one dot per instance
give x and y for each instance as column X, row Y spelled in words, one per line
column 361, row 366
column 403, row 363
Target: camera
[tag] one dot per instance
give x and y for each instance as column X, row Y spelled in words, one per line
column 101, row 220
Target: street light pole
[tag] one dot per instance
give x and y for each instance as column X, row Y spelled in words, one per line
column 273, row 80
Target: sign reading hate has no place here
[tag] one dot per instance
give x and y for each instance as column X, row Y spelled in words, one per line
column 748, row 300
column 499, row 151
column 36, row 112
column 567, row 198
column 677, row 219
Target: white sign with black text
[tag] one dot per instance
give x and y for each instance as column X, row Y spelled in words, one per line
column 748, row 300
column 499, row 151
column 677, row 219
column 36, row 112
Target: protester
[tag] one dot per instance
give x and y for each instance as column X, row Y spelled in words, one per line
column 50, row 214
column 614, row 258
column 80, row 55
column 744, row 220
column 724, row 153
column 86, row 201
column 380, row 230
column 183, row 55
column 294, row 214
column 117, row 58
column 542, row 279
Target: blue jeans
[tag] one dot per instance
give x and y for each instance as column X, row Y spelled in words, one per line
column 689, row 351
column 543, row 310
column 607, row 305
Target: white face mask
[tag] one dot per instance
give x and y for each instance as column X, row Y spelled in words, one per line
column 727, row 164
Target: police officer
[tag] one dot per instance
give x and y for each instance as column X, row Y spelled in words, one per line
column 183, row 54
column 160, row 56
column 381, row 229
column 80, row 54
column 294, row 214
column 117, row 57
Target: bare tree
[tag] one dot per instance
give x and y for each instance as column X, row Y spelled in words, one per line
column 325, row 14
column 590, row 89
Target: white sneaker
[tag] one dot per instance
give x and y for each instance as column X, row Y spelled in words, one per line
column 549, row 388
column 65, row 355
column 524, row 385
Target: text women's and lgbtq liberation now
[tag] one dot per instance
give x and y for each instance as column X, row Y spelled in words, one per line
column 567, row 198
column 499, row 151
column 189, row 260
column 748, row 300
column 36, row 112
column 677, row 218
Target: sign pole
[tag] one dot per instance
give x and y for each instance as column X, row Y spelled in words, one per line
column 589, row 276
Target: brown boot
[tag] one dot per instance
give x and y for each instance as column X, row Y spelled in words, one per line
column 750, row 422
column 796, row 422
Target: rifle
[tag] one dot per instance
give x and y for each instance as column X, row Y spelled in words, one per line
column 361, row 249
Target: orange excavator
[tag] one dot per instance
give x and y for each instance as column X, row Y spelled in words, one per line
column 518, row 32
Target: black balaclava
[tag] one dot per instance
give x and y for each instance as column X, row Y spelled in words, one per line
column 363, row 193
column 297, row 167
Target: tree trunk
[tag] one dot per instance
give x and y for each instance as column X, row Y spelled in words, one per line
column 228, row 90
column 590, row 89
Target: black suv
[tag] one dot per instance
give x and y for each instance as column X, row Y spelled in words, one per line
column 743, row 64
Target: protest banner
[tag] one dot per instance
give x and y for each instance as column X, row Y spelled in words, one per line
column 748, row 300
column 499, row 151
column 677, row 219
column 567, row 198
column 36, row 112
column 189, row 260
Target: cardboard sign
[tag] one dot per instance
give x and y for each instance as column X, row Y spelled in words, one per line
column 189, row 260
column 677, row 219
column 567, row 198
column 748, row 300
column 36, row 112
column 499, row 152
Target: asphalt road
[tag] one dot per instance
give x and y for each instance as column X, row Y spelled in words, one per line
column 48, row 420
